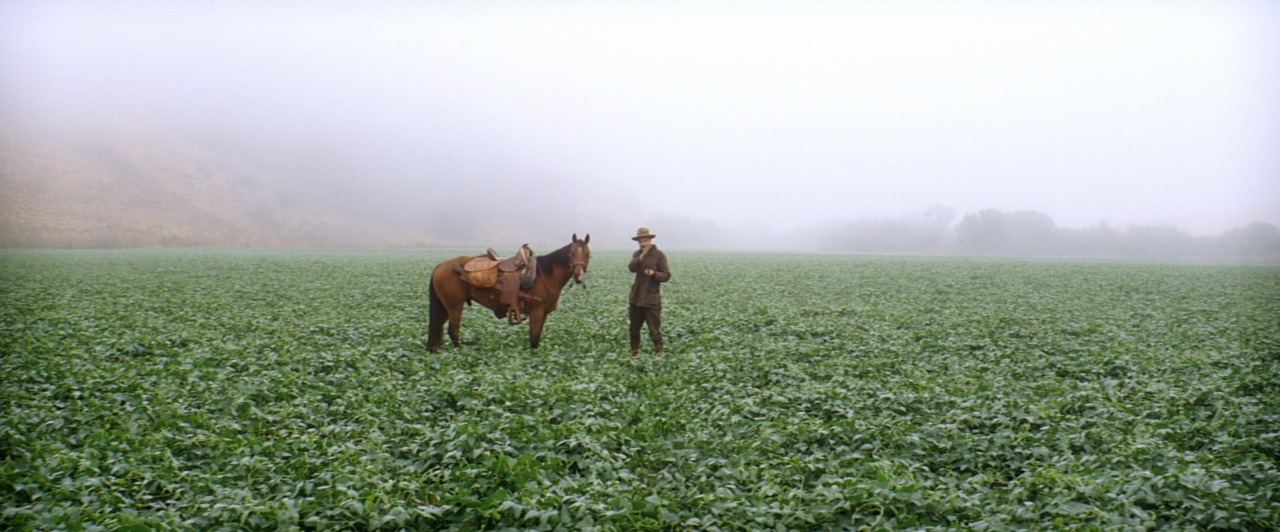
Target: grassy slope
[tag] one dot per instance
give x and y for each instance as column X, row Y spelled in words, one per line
column 149, row 189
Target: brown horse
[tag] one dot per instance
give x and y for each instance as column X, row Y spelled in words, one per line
column 448, row 292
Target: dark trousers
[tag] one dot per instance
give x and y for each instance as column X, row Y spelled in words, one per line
column 651, row 316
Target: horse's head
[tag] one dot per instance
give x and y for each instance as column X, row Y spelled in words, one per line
column 579, row 258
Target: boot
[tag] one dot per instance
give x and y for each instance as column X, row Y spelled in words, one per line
column 635, row 348
column 659, row 348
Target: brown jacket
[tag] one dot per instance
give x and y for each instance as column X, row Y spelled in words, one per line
column 646, row 291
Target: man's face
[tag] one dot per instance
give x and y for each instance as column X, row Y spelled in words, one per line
column 644, row 242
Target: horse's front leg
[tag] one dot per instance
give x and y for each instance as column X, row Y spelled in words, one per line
column 537, row 317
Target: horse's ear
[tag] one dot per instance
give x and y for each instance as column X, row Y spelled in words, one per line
column 587, row 239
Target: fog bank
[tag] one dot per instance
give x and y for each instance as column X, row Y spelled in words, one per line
column 777, row 126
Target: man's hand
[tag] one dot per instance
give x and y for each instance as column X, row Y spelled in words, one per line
column 649, row 272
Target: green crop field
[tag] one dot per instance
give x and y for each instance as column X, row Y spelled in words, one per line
column 230, row 390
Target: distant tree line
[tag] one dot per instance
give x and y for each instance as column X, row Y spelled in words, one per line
column 1034, row 234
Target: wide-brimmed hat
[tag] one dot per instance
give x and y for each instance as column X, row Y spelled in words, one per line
column 642, row 233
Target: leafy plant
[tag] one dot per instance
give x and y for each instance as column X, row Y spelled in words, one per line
column 230, row 390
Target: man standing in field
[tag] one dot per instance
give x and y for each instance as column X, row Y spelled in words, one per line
column 650, row 266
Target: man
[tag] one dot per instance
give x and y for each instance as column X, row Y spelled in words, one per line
column 650, row 266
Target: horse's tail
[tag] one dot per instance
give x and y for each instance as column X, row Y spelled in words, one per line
column 436, row 316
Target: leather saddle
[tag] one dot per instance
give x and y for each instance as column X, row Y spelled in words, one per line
column 506, row 275
column 518, row 262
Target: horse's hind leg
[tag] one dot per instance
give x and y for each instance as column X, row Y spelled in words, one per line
column 455, row 326
column 448, row 295
column 434, row 330
column 435, row 321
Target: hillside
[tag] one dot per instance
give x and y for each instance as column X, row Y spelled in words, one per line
column 144, row 189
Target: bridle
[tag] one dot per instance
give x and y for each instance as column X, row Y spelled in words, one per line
column 576, row 251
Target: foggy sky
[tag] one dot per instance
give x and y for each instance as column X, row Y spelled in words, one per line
column 772, row 116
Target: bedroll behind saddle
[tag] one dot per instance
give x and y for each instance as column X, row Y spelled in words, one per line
column 480, row 273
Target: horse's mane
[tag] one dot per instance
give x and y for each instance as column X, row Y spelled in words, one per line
column 548, row 261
